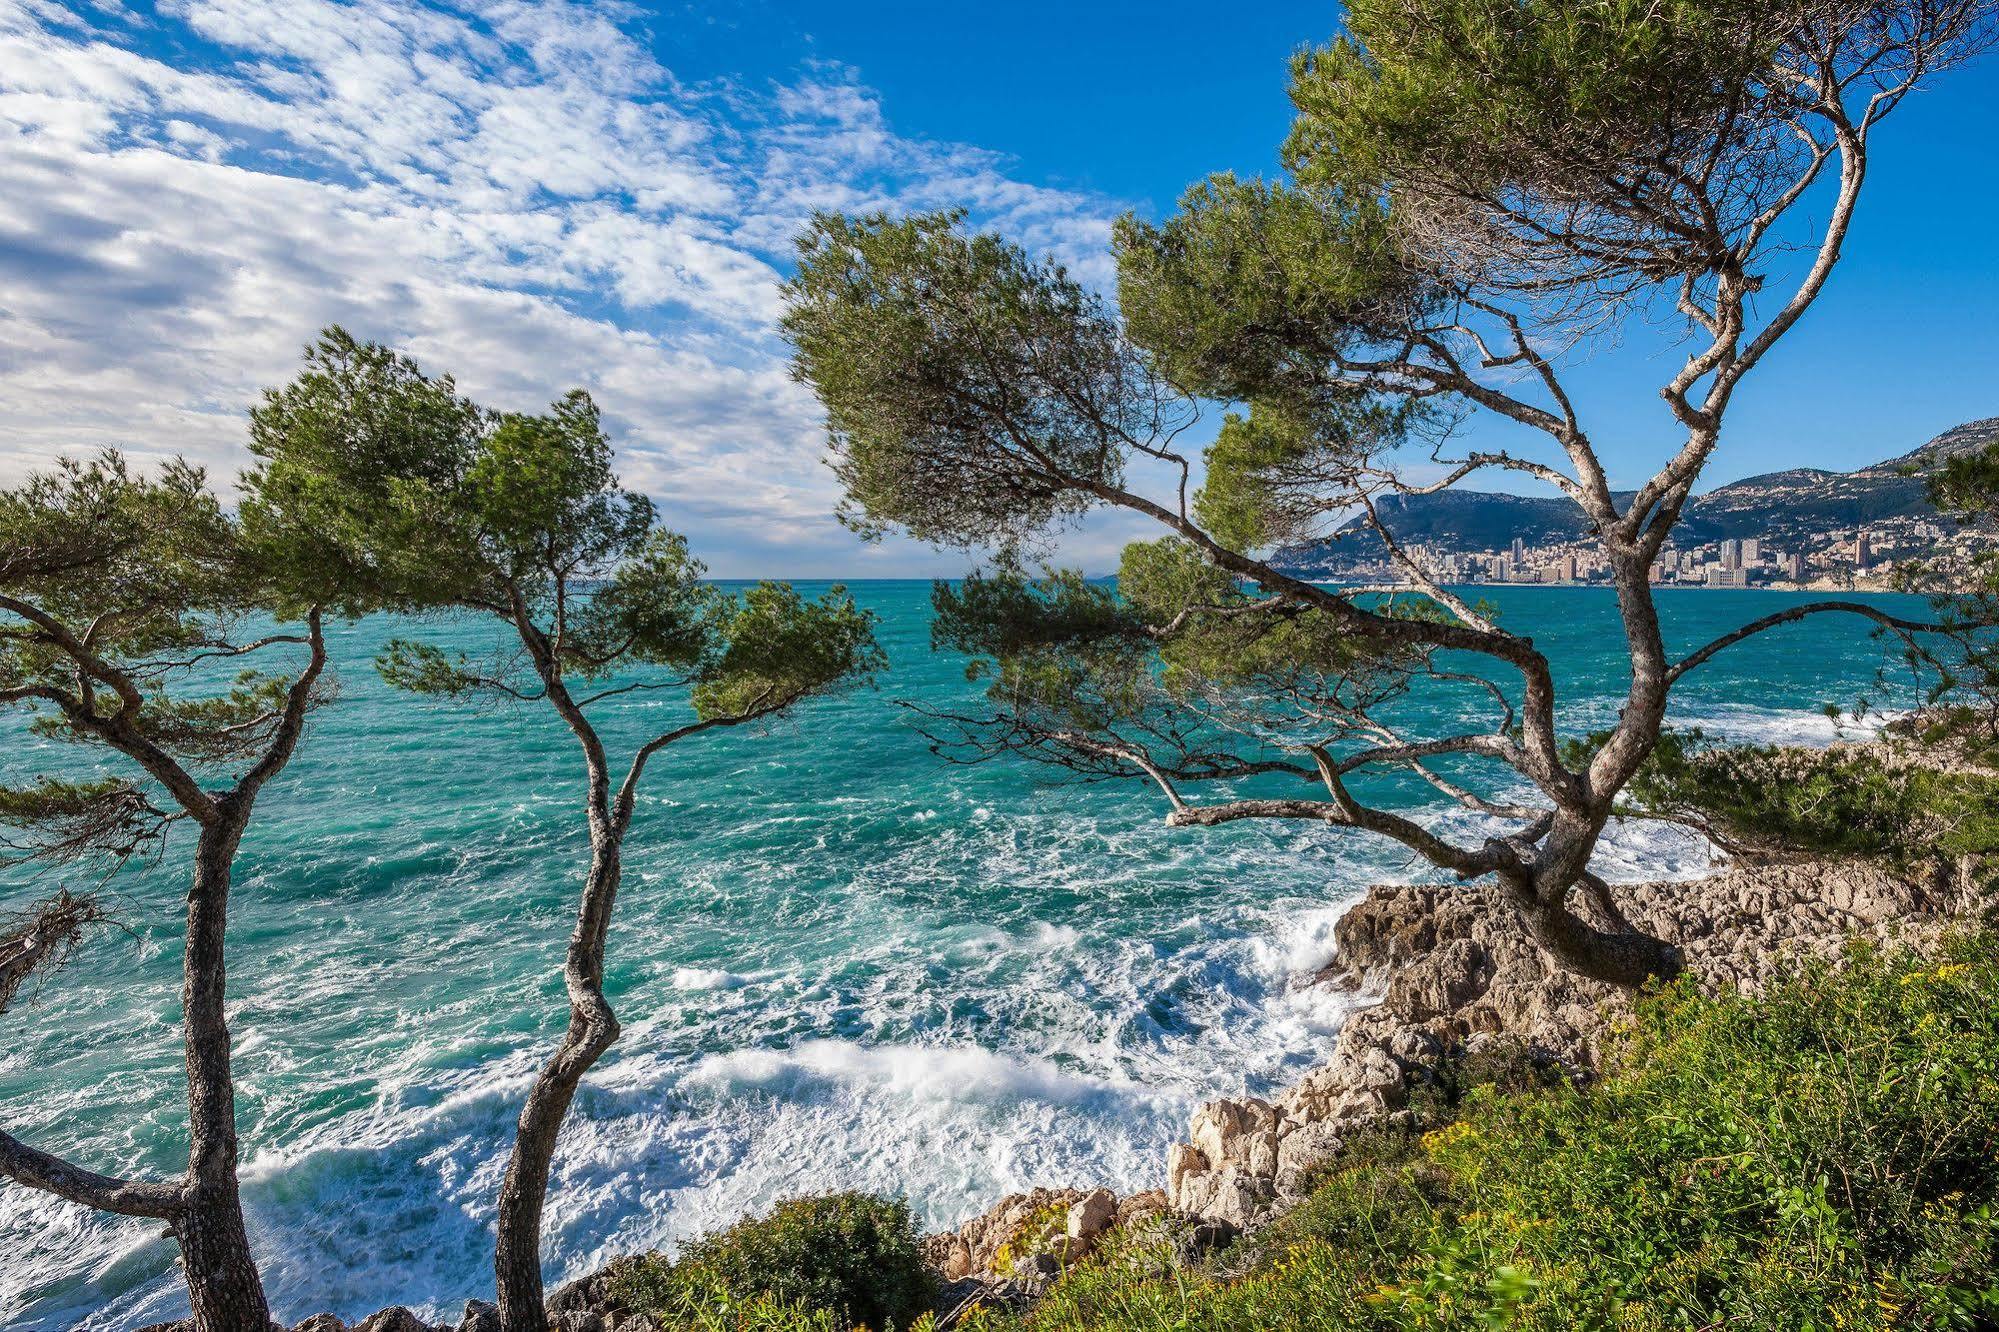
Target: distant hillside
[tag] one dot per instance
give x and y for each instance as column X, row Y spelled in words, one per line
column 1804, row 504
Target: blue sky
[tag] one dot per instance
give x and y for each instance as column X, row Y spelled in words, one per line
column 536, row 194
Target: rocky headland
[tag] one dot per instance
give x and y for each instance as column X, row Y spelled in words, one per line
column 1441, row 973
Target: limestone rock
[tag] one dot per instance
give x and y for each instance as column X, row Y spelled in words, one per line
column 1092, row 1216
column 1182, row 1159
column 1142, row 1207
column 395, row 1318
column 480, row 1316
column 974, row 1250
column 585, row 1294
column 321, row 1322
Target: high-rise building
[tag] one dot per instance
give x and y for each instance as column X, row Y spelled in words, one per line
column 1797, row 567
column 1519, row 550
column 1752, row 552
column 1731, row 554
column 1863, row 554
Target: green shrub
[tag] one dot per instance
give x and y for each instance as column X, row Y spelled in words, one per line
column 1847, row 801
column 1820, row 1158
column 841, row 1259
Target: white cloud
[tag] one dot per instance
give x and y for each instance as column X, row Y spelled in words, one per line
column 515, row 192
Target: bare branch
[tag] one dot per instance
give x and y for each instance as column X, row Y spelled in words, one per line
column 128, row 1197
column 1793, row 614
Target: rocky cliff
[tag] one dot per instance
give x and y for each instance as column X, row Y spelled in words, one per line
column 1455, row 971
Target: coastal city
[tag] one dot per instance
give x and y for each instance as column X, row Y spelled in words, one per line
column 1844, row 559
column 1864, row 558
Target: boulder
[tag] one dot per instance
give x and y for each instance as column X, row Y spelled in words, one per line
column 395, row 1318
column 1182, row 1159
column 974, row 1249
column 1092, row 1216
column 321, row 1322
column 1142, row 1207
column 585, row 1294
column 480, row 1316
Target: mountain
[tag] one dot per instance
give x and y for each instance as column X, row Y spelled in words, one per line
column 1804, row 506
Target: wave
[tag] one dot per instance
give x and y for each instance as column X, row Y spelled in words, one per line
column 1000, row 995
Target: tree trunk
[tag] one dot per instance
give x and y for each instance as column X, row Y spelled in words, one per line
column 223, row 1286
column 222, row 1282
column 1629, row 959
column 592, row 1029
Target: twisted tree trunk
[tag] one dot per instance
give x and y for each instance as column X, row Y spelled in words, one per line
column 222, row 1281
column 1625, row 958
column 592, row 1029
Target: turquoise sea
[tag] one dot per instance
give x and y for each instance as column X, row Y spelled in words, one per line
column 840, row 962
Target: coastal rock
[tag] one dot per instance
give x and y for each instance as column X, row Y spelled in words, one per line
column 586, row 1294
column 1140, row 1208
column 1183, row 1159
column 480, row 1316
column 987, row 1245
column 395, row 1318
column 321, row 1322
column 1456, row 972
column 1092, row 1216
column 579, row 1320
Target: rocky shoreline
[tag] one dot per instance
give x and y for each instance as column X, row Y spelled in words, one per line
column 1455, row 973
column 1444, row 972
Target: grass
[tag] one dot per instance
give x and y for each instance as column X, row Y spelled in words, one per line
column 1819, row 1158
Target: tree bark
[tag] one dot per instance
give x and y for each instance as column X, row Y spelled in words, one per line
column 592, row 1029
column 223, row 1286
column 1629, row 959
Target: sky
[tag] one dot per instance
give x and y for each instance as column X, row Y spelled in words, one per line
column 537, row 195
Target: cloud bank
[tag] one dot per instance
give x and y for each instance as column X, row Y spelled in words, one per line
column 517, row 192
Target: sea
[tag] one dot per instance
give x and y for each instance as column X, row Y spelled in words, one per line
column 841, row 961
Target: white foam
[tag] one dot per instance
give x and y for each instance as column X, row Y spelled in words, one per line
column 1056, row 1049
column 707, row 978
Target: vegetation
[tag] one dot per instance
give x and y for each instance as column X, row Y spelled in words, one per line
column 431, row 502
column 1822, row 1157
column 1855, row 800
column 844, row 1259
column 1474, row 192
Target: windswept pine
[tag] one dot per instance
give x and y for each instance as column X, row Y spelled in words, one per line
column 118, row 589
column 1474, row 192
column 445, row 506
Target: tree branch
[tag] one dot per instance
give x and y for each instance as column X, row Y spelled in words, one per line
column 37, row 1169
column 1701, row 655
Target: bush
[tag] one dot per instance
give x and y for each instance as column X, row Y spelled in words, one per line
column 841, row 1259
column 1848, row 801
